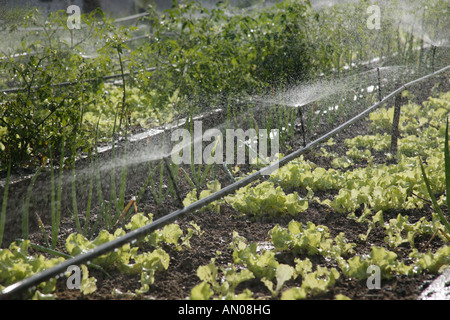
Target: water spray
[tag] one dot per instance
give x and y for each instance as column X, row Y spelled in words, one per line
column 18, row 288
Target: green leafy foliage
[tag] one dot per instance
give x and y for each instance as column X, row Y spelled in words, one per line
column 261, row 264
column 313, row 283
column 436, row 206
column 304, row 174
column 211, row 187
column 16, row 263
column 283, row 273
column 88, row 284
column 127, row 258
column 357, row 266
column 309, row 239
column 222, row 288
column 434, row 262
column 266, row 199
column 400, row 230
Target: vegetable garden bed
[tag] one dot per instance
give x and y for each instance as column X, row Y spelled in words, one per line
column 259, row 245
column 350, row 218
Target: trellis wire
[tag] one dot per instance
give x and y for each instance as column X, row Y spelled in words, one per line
column 69, row 83
column 37, row 29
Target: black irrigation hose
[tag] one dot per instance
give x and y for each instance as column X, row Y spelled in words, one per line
column 14, row 290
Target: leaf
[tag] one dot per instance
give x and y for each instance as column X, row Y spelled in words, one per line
column 41, row 296
column 294, row 294
column 433, row 198
column 303, row 267
column 88, row 284
column 171, row 233
column 208, row 273
column 202, row 291
column 284, row 273
column 318, row 282
column 138, row 220
column 341, row 297
column 76, row 244
column 235, row 278
column 447, row 171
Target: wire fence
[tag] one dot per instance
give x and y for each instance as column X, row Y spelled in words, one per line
column 40, row 29
column 69, row 83
column 21, row 286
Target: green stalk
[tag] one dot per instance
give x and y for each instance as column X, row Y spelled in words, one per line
column 447, row 182
column 4, row 204
column 64, row 255
column 158, row 195
column 25, row 212
column 209, row 164
column 228, row 112
column 146, row 183
column 447, row 169
column 123, row 179
column 56, row 204
column 74, row 199
column 187, row 178
column 433, row 199
column 52, row 199
column 98, row 184
column 152, row 185
column 59, row 195
column 89, row 203
column 41, row 226
column 172, row 185
column 161, row 181
column 113, row 175
column 195, row 175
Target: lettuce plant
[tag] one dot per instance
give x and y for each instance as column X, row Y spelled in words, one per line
column 313, row 282
column 261, row 264
column 126, row 258
column 16, row 264
column 266, row 199
column 436, row 206
column 356, row 267
column 224, row 288
column 309, row 239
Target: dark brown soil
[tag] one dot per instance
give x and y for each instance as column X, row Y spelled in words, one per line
column 177, row 282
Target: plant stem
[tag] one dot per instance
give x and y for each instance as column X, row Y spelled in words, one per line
column 89, row 203
column 4, row 204
column 74, row 199
column 41, row 226
column 180, row 202
column 25, row 212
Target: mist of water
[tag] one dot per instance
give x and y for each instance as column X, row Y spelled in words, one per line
column 415, row 19
column 309, row 92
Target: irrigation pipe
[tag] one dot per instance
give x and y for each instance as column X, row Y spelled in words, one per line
column 14, row 290
column 70, row 83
